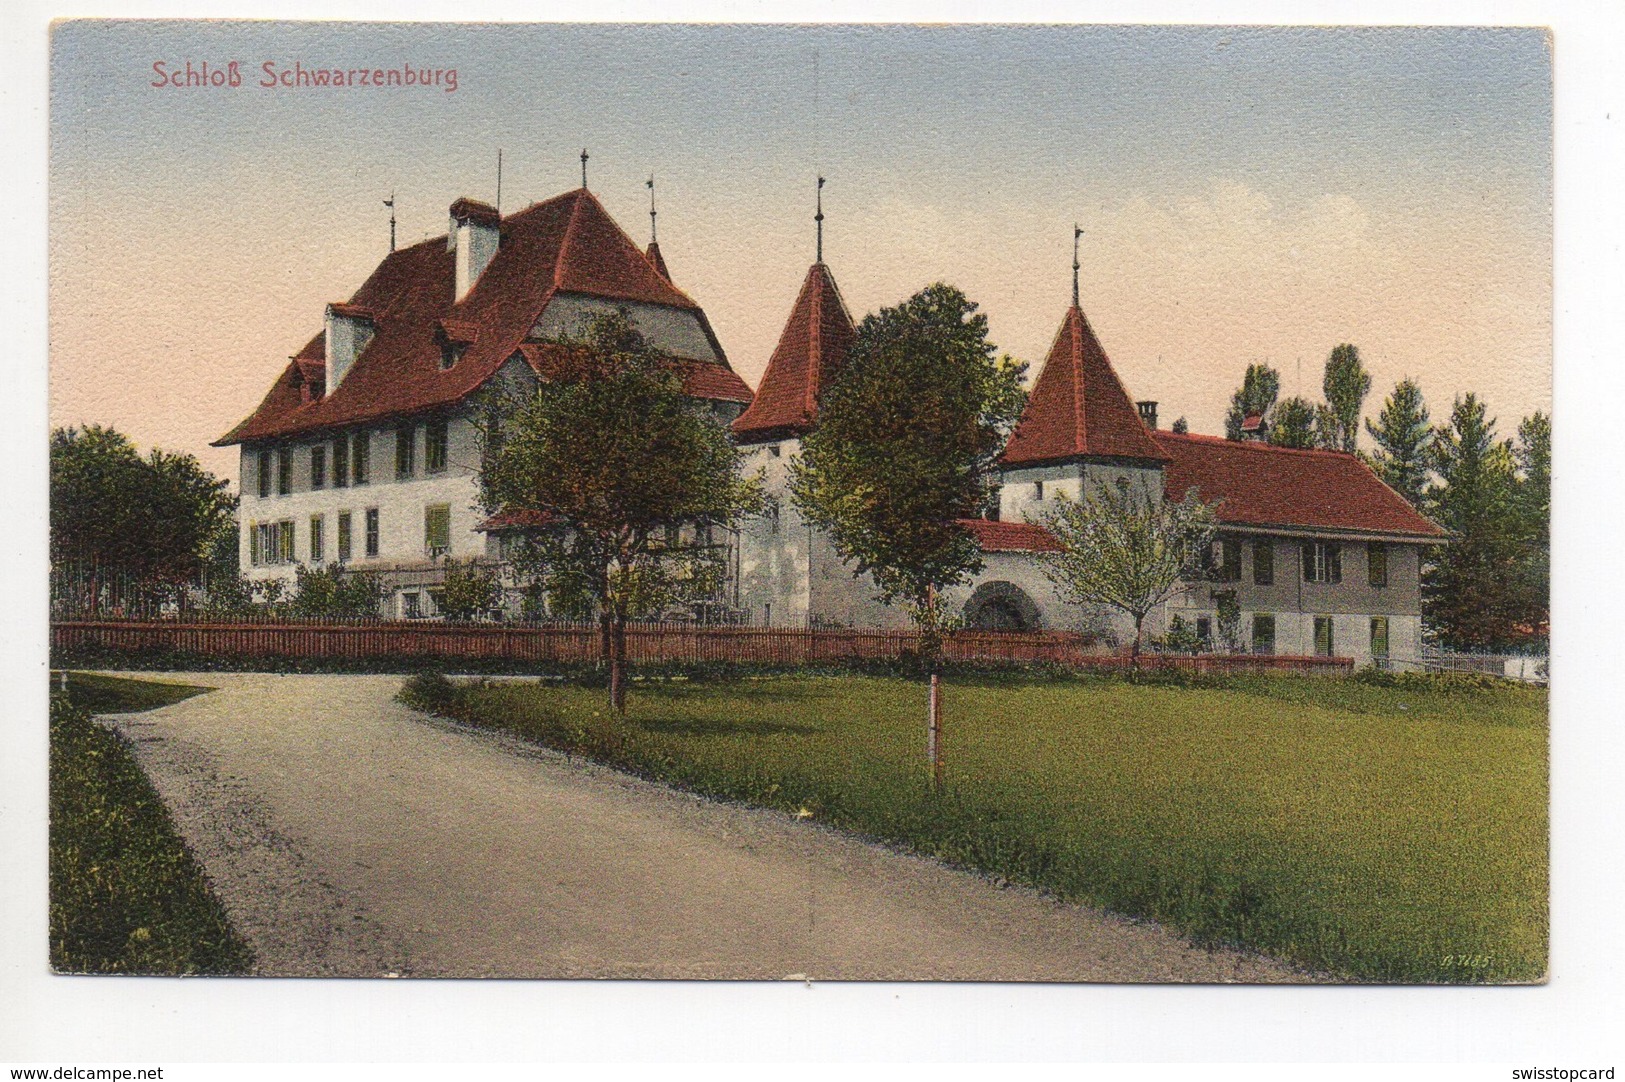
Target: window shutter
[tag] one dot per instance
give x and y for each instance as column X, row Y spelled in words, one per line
column 1334, row 563
column 1308, row 561
column 253, row 543
column 1264, row 562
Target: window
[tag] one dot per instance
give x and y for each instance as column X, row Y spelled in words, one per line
column 1038, row 490
column 406, row 445
column 318, row 467
column 1204, row 630
column 372, row 531
column 437, row 528
column 341, row 462
column 411, row 605
column 253, row 543
column 284, row 471
column 1379, row 636
column 435, row 442
column 1323, row 636
column 451, row 353
column 344, row 537
column 437, row 601
column 1263, row 633
column 1226, row 559
column 265, row 474
column 273, row 542
column 1322, row 562
column 316, row 540
column 1376, row 556
column 361, row 458
column 773, row 449
column 1264, row 566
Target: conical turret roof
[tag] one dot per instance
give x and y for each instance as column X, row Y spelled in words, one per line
column 814, row 344
column 1078, row 408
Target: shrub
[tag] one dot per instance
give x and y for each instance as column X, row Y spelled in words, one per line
column 429, row 689
column 468, row 591
column 333, row 591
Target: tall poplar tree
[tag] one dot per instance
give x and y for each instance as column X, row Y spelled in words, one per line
column 1345, row 385
column 1259, row 389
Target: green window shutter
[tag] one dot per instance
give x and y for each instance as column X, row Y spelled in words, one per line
column 1379, row 636
column 1377, row 563
column 1264, row 562
column 1323, row 636
column 253, row 543
column 1307, row 558
column 361, row 458
column 437, row 529
column 344, row 536
column 1334, row 563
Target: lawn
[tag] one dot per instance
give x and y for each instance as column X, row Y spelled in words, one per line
column 126, row 894
column 1378, row 829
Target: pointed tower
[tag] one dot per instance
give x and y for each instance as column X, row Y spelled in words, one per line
column 1079, row 425
column 812, row 347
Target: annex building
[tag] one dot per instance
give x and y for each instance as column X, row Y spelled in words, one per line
column 365, row 452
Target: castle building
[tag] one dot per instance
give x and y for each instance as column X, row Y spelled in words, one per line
column 365, row 453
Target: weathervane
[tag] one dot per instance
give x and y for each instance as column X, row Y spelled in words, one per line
column 583, row 167
column 654, row 237
column 390, row 203
column 1077, row 231
column 819, row 218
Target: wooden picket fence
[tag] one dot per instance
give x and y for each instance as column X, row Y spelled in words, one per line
column 531, row 645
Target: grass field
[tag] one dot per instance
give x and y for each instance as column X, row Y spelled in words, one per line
column 1381, row 829
column 126, row 894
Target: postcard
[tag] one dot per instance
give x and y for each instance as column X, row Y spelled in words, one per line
column 828, row 503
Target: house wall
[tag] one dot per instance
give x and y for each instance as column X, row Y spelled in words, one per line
column 775, row 559
column 1018, row 492
column 1295, row 603
column 400, row 503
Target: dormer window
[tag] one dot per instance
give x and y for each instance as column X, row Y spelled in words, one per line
column 451, row 353
column 455, row 336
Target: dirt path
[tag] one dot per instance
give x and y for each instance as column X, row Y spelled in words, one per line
column 351, row 836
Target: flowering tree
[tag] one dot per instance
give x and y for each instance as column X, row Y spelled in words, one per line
column 1122, row 546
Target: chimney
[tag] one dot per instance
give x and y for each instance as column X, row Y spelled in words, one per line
column 349, row 329
column 473, row 234
column 1148, row 414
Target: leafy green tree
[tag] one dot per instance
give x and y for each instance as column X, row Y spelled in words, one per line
column 469, row 591
column 335, row 592
column 1181, row 427
column 1259, row 389
column 1467, row 590
column 1404, row 454
column 151, row 520
column 1294, row 424
column 1345, row 385
column 1127, row 547
column 628, row 474
column 908, row 434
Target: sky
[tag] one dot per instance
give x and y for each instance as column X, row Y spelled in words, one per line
column 1247, row 195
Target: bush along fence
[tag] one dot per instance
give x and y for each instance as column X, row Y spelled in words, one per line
column 402, row 645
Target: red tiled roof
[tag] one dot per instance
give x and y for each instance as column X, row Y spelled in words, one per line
column 458, row 330
column 653, row 256
column 1262, row 485
column 701, row 379
column 1078, row 406
column 354, row 311
column 566, row 244
column 514, row 520
column 814, row 344
column 1010, row 536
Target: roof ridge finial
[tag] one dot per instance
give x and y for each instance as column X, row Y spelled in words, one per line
column 1077, row 232
column 583, row 168
column 390, row 203
column 819, row 218
column 654, row 236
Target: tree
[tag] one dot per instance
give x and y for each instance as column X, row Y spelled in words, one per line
column 1532, row 509
column 628, row 475
column 1123, row 546
column 908, row 434
column 1259, row 389
column 1467, row 590
column 147, row 521
column 1294, row 424
column 468, row 591
column 1345, row 384
column 1181, row 426
column 1404, row 454
column 336, row 592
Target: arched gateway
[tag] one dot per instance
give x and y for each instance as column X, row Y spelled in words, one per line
column 1002, row 606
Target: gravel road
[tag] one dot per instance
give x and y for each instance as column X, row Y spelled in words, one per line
column 351, row 836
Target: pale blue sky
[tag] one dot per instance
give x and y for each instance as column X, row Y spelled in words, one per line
column 1249, row 194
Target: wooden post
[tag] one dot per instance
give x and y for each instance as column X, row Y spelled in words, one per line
column 934, row 713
